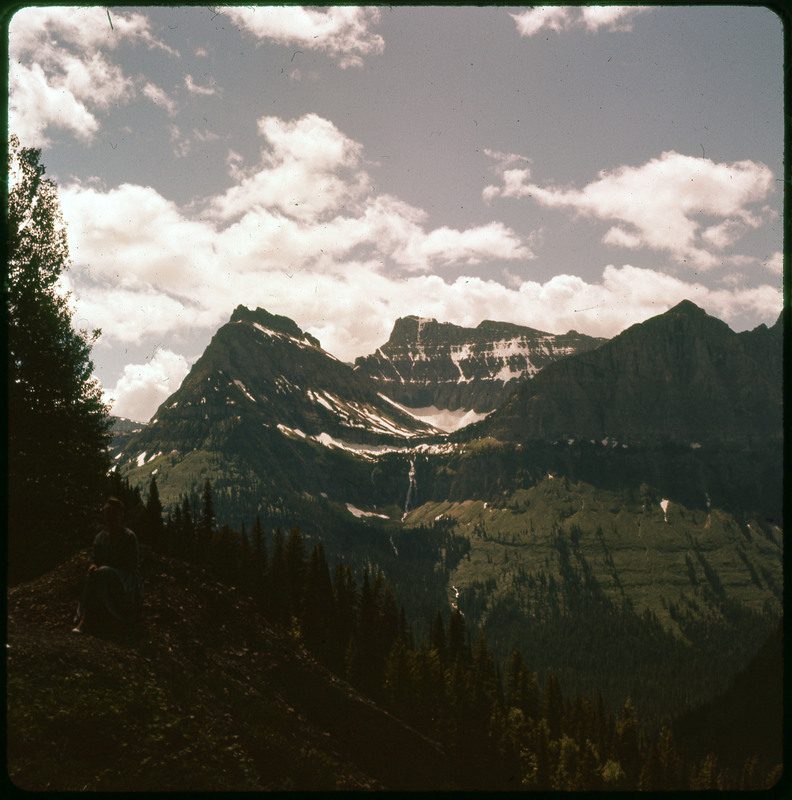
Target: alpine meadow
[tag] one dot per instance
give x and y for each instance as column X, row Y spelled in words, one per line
column 435, row 358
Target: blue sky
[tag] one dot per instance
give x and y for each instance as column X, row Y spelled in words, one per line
column 559, row 167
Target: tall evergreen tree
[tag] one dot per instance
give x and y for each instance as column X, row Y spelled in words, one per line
column 628, row 744
column 457, row 638
column 57, row 421
column 205, row 529
column 259, row 564
column 296, row 557
column 317, row 603
column 155, row 528
column 437, row 637
column 278, row 583
column 185, row 537
column 553, row 706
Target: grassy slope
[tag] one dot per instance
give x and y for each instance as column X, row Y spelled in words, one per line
column 634, row 550
column 202, row 696
column 599, row 589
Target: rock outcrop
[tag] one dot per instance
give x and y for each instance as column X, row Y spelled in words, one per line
column 429, row 363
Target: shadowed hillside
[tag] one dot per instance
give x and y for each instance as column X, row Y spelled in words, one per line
column 203, row 695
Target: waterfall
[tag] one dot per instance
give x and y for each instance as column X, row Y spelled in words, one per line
column 411, row 487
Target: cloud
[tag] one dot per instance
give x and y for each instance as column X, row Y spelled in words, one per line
column 193, row 88
column 144, row 387
column 301, row 232
column 563, row 18
column 160, row 98
column 341, row 32
column 305, row 210
column 775, row 263
column 691, row 208
column 307, row 168
column 60, row 72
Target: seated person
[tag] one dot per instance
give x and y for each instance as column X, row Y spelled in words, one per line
column 114, row 587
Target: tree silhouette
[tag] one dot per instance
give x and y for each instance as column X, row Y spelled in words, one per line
column 57, row 421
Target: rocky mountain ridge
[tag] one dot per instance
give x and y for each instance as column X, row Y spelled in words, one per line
column 262, row 378
column 426, row 363
column 682, row 376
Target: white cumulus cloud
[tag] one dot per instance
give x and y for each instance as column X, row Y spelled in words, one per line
column 144, row 387
column 665, row 204
column 61, row 73
column 343, row 32
column 563, row 18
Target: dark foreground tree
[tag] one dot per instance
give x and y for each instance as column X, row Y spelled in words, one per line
column 57, row 422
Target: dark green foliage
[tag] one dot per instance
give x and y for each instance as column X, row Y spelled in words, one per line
column 517, row 732
column 155, row 528
column 57, row 421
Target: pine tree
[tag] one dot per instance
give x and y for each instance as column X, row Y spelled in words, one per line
column 295, row 556
column 345, row 604
column 259, row 564
column 245, row 562
column 205, row 528
column 437, row 637
column 186, row 536
column 553, row 707
column 398, row 680
column 317, row 603
column 457, row 638
column 628, row 745
column 57, row 421
column 278, row 583
column 155, row 533
column 223, row 555
column 364, row 664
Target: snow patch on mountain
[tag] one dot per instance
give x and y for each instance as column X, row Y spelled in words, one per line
column 440, row 418
column 280, row 335
column 356, row 512
column 358, row 415
column 241, row 386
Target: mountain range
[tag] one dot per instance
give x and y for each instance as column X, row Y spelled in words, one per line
column 618, row 515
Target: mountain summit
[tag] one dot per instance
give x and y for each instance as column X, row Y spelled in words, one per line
column 263, row 366
column 682, row 376
column 430, row 363
column 262, row 400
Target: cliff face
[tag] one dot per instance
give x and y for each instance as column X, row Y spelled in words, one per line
column 429, row 363
column 682, row 376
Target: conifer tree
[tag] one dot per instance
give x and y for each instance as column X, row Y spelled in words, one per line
column 345, row 603
column 553, row 706
column 628, row 745
column 245, row 561
column 364, row 662
column 457, row 638
column 278, row 583
column 295, row 557
column 398, row 679
column 155, row 533
column 186, row 536
column 317, row 602
column 259, row 564
column 437, row 637
column 205, row 528
column 223, row 555
column 57, row 420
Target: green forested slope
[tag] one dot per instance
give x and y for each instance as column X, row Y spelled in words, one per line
column 622, row 591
